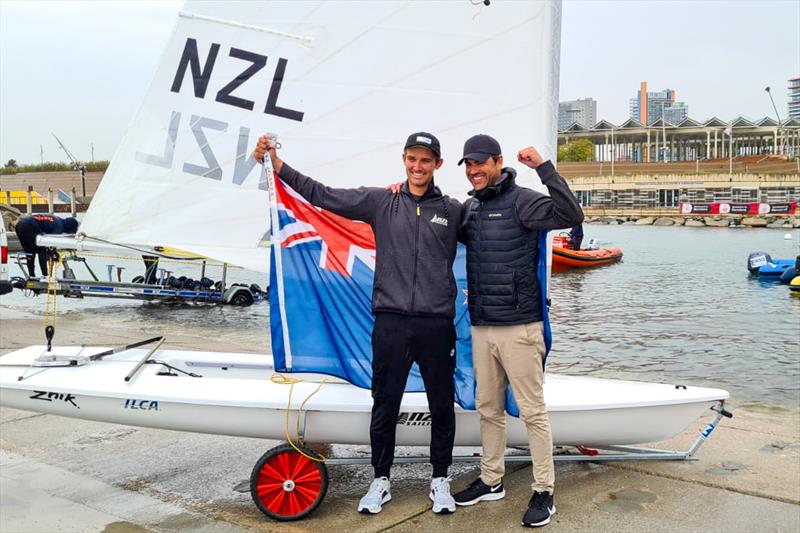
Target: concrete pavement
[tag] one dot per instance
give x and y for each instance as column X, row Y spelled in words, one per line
column 59, row 474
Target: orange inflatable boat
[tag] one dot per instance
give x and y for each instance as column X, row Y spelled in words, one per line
column 564, row 257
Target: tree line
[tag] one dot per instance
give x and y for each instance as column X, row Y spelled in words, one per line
column 12, row 167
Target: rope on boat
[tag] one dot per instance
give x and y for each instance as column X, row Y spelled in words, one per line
column 281, row 379
column 50, row 313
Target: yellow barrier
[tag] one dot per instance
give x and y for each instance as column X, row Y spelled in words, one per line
column 20, row 198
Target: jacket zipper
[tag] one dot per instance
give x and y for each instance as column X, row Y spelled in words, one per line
column 416, row 254
column 478, row 275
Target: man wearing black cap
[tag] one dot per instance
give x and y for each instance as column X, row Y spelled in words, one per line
column 413, row 300
column 500, row 226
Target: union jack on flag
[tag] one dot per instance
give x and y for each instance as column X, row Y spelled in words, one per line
column 342, row 240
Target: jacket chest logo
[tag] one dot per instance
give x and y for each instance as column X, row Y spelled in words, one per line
column 495, row 215
column 439, row 220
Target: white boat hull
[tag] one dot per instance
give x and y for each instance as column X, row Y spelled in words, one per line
column 236, row 397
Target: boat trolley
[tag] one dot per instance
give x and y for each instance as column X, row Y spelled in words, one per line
column 291, row 480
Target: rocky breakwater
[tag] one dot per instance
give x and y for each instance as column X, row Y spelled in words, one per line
column 699, row 222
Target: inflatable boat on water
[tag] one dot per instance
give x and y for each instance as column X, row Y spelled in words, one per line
column 764, row 266
column 564, row 258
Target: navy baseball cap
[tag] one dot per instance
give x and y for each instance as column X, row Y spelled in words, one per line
column 425, row 140
column 480, row 148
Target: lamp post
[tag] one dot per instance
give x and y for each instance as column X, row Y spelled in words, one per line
column 612, row 152
column 777, row 115
column 663, row 133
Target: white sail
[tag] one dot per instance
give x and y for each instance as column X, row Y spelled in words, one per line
column 342, row 84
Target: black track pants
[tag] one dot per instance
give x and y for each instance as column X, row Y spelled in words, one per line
column 26, row 233
column 397, row 342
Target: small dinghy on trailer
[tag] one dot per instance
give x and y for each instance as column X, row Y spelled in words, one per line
column 227, row 394
column 160, row 287
column 232, row 394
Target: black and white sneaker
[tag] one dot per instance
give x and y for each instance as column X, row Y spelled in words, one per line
column 540, row 509
column 478, row 491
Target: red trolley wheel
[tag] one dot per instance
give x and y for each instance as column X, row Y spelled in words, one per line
column 286, row 486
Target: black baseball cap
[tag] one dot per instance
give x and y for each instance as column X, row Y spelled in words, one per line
column 425, row 140
column 480, row 148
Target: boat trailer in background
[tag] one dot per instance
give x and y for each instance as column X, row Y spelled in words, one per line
column 161, row 285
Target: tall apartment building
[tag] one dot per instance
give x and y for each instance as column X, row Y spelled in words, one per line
column 583, row 111
column 648, row 107
column 676, row 113
column 794, row 98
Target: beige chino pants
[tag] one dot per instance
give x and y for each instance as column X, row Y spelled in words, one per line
column 503, row 355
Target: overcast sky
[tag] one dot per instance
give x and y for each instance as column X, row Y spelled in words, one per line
column 81, row 68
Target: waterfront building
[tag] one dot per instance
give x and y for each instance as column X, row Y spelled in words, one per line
column 582, row 111
column 794, row 98
column 649, row 107
column 688, row 140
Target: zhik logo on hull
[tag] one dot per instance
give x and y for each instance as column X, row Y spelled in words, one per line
column 54, row 396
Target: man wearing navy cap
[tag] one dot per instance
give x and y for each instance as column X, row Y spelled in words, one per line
column 413, row 300
column 500, row 226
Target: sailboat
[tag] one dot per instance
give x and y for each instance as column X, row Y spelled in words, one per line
column 341, row 84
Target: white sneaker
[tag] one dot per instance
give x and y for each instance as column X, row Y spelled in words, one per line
column 443, row 502
column 379, row 493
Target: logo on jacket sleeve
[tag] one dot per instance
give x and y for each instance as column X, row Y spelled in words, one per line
column 439, row 220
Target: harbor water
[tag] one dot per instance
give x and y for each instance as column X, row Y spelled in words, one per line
column 681, row 308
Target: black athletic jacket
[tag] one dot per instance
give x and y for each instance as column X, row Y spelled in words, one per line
column 415, row 240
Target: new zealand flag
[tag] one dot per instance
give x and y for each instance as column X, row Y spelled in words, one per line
column 322, row 267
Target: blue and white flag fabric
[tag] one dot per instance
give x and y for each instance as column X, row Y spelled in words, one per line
column 322, row 268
